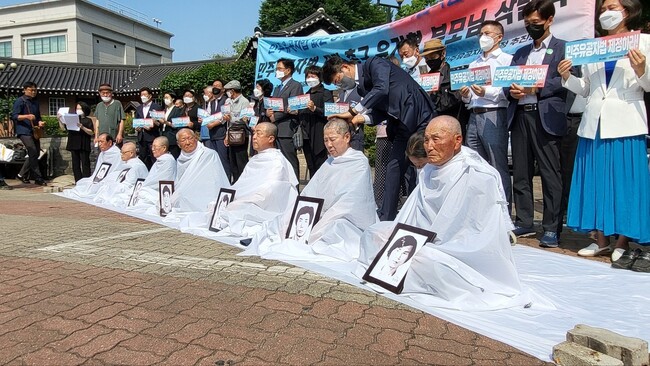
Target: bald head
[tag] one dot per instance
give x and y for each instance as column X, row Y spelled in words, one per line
column 264, row 135
column 443, row 138
column 128, row 151
column 160, row 146
column 336, row 136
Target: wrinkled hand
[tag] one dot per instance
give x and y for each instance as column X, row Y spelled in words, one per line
column 464, row 92
column 637, row 61
column 564, row 69
column 478, row 90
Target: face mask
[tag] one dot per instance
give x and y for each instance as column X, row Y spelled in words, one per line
column 611, row 19
column 144, row 100
column 486, row 42
column 168, row 102
column 188, row 100
column 410, row 62
column 279, row 74
column 206, row 98
column 536, row 31
column 312, row 82
column 216, row 91
column 346, row 83
column 229, row 94
column 80, row 112
column 106, row 99
column 257, row 93
column 435, row 64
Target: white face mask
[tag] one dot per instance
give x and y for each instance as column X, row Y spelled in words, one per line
column 410, row 62
column 312, row 82
column 144, row 100
column 188, row 100
column 611, row 19
column 206, row 98
column 229, row 94
column 80, row 112
column 257, row 93
column 486, row 42
column 168, row 102
column 279, row 74
column 106, row 99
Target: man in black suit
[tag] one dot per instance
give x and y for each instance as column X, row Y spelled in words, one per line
column 146, row 135
column 389, row 93
column 286, row 121
column 537, row 118
column 217, row 129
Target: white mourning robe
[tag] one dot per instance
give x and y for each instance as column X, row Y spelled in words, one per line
column 163, row 169
column 345, row 185
column 265, row 190
column 85, row 188
column 470, row 264
column 112, row 189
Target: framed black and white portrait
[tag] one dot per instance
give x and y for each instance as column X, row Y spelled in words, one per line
column 122, row 176
column 393, row 261
column 102, row 171
column 136, row 192
column 223, row 200
column 306, row 213
column 165, row 191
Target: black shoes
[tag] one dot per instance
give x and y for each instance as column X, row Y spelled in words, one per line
column 642, row 263
column 4, row 186
column 636, row 260
column 40, row 182
column 22, row 179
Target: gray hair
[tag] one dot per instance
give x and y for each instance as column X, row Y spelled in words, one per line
column 339, row 125
column 185, row 130
column 270, row 129
column 162, row 140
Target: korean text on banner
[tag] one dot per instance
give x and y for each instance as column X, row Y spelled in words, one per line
column 610, row 48
column 430, row 82
column 475, row 76
column 528, row 76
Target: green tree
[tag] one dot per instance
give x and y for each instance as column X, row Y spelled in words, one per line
column 352, row 14
column 414, row 7
column 242, row 70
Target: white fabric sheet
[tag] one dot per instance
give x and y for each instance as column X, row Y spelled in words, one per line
column 85, row 187
column 109, row 191
column 345, row 185
column 163, row 169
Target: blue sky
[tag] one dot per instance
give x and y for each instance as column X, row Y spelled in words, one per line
column 200, row 28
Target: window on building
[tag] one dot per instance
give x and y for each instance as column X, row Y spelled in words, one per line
column 39, row 46
column 5, row 49
column 55, row 104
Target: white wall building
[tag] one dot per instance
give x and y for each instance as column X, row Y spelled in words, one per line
column 79, row 31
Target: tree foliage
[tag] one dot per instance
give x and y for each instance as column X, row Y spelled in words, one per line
column 414, row 7
column 242, row 70
column 352, row 14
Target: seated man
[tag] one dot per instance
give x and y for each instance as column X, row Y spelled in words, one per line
column 108, row 154
column 122, row 179
column 344, row 183
column 164, row 168
column 469, row 265
column 266, row 189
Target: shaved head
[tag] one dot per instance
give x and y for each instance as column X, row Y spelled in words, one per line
column 160, row 146
column 128, row 151
column 264, row 135
column 442, row 139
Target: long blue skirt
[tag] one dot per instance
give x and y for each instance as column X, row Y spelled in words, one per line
column 610, row 188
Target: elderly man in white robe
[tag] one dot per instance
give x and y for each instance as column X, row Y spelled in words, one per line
column 108, row 154
column 266, row 189
column 344, row 183
column 469, row 265
column 122, row 180
column 163, row 169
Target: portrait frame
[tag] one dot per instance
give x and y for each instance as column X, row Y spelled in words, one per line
column 136, row 189
column 122, row 176
column 223, row 192
column 378, row 271
column 107, row 167
column 162, row 186
column 316, row 205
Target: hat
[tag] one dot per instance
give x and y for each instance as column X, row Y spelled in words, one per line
column 432, row 45
column 105, row 86
column 233, row 84
column 191, row 91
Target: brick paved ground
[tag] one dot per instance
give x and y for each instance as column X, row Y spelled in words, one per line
column 82, row 285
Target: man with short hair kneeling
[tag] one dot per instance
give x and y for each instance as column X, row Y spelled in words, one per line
column 469, row 265
column 123, row 179
column 109, row 156
column 345, row 185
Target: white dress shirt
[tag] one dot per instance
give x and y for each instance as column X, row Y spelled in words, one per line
column 494, row 97
column 536, row 57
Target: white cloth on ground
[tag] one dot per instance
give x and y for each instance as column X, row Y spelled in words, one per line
column 85, row 187
column 345, row 185
column 113, row 188
column 470, row 264
column 163, row 169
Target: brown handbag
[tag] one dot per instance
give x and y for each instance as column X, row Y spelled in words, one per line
column 236, row 134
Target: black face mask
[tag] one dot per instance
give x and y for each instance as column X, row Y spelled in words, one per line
column 216, row 91
column 536, row 31
column 434, row 64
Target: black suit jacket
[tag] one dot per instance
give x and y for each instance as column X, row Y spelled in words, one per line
column 170, row 132
column 392, row 94
column 551, row 99
column 313, row 122
column 218, row 132
column 287, row 123
column 147, row 135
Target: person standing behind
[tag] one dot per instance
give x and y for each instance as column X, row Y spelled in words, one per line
column 412, row 61
column 447, row 102
column 216, row 130
column 27, row 117
column 611, row 183
column 263, row 89
column 238, row 153
column 191, row 109
column 286, row 121
column 313, row 119
column 148, row 134
column 537, row 117
column 110, row 115
column 487, row 129
column 166, row 127
column 79, row 142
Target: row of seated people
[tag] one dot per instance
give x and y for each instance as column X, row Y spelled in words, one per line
column 469, row 264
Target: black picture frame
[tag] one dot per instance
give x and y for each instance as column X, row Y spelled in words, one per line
column 223, row 193
column 105, row 167
column 136, row 192
column 162, row 185
column 122, row 176
column 377, row 272
column 304, row 201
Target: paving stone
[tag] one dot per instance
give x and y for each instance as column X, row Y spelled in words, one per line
column 632, row 351
column 572, row 354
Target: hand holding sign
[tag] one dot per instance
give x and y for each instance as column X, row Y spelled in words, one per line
column 637, row 61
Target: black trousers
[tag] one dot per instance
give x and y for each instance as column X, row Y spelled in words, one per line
column 238, row 157
column 222, row 151
column 80, row 164
column 175, row 151
column 568, row 147
column 530, row 143
column 30, row 166
column 395, row 170
column 145, row 154
column 314, row 161
column 357, row 137
column 289, row 152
